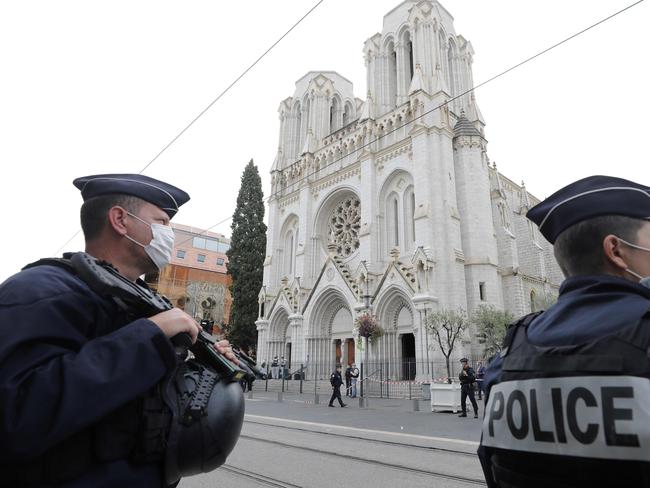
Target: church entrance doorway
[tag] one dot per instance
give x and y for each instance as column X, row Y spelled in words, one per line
column 408, row 356
column 338, row 352
column 350, row 344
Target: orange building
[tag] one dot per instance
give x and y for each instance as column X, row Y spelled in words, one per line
column 197, row 279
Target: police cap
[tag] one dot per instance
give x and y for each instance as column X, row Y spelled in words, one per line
column 587, row 198
column 161, row 194
column 464, row 360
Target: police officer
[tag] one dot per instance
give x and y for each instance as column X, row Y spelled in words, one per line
column 336, row 381
column 74, row 366
column 467, row 378
column 567, row 398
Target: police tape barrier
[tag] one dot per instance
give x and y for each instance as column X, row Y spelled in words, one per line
column 605, row 417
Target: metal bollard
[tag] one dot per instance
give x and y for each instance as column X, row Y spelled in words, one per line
column 280, row 396
column 416, row 405
column 360, row 402
column 316, row 399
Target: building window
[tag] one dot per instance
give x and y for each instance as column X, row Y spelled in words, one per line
column 198, row 242
column 481, row 290
column 220, row 261
column 180, row 253
column 201, row 258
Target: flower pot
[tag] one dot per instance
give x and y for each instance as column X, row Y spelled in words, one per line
column 445, row 397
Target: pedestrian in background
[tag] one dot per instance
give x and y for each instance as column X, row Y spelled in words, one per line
column 336, row 381
column 467, row 378
column 354, row 375
column 348, row 381
column 480, row 376
column 274, row 368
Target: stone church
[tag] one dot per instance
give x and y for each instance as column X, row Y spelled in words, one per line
column 390, row 204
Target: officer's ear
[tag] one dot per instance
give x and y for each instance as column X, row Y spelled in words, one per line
column 116, row 219
column 615, row 253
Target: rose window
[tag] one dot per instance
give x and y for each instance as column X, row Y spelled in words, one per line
column 344, row 225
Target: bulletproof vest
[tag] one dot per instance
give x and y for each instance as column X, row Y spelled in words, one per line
column 571, row 416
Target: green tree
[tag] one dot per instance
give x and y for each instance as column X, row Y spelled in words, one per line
column 491, row 327
column 246, row 258
column 447, row 326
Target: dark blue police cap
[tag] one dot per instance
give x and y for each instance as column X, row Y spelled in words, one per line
column 464, row 360
column 161, row 194
column 587, row 198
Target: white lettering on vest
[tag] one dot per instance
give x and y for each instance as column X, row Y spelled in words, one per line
column 606, row 417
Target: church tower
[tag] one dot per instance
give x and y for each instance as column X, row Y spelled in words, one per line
column 389, row 205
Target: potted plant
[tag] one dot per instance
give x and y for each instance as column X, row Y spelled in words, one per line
column 447, row 328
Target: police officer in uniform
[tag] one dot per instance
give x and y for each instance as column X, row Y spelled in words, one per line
column 73, row 366
column 467, row 378
column 336, row 381
column 567, row 398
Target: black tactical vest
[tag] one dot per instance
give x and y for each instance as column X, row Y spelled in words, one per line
column 571, row 416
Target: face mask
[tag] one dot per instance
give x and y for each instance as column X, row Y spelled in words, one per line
column 161, row 246
column 642, row 281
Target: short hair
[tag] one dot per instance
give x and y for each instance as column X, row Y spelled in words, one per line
column 579, row 249
column 94, row 212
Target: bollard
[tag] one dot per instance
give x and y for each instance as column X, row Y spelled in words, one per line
column 250, row 394
column 316, row 398
column 360, row 402
column 280, row 396
column 416, row 405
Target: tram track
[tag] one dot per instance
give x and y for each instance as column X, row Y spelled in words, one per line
column 366, row 439
column 257, row 477
column 375, row 462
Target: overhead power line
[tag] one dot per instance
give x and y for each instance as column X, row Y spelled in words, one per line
column 209, row 106
column 483, row 83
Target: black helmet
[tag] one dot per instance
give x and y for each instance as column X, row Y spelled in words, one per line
column 208, row 414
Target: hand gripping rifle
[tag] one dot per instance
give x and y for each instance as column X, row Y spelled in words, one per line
column 139, row 300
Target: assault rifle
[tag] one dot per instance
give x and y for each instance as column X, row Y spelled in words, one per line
column 142, row 302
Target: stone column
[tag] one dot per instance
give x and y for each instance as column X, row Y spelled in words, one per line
column 297, row 343
column 424, row 304
column 262, row 326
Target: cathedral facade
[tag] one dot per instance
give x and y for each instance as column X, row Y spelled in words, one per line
column 390, row 205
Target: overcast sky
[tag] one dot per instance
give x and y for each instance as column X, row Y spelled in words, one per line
column 98, row 87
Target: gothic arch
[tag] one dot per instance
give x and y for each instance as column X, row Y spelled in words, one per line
column 390, row 305
column 289, row 239
column 396, row 230
column 279, row 323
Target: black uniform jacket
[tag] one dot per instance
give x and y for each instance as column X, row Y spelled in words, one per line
column 67, row 359
column 335, row 379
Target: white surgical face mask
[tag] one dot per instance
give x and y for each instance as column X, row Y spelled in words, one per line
column 161, row 246
column 644, row 281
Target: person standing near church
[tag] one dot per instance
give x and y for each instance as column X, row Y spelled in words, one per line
column 336, row 381
column 467, row 379
column 76, row 367
column 348, row 381
column 354, row 375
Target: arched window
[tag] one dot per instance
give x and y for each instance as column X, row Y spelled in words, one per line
column 347, row 114
column 392, row 76
column 450, row 69
column 393, row 221
column 289, row 245
column 409, row 222
column 410, row 66
column 334, row 113
column 296, row 130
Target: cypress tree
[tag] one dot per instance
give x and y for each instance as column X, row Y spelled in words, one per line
column 246, row 258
